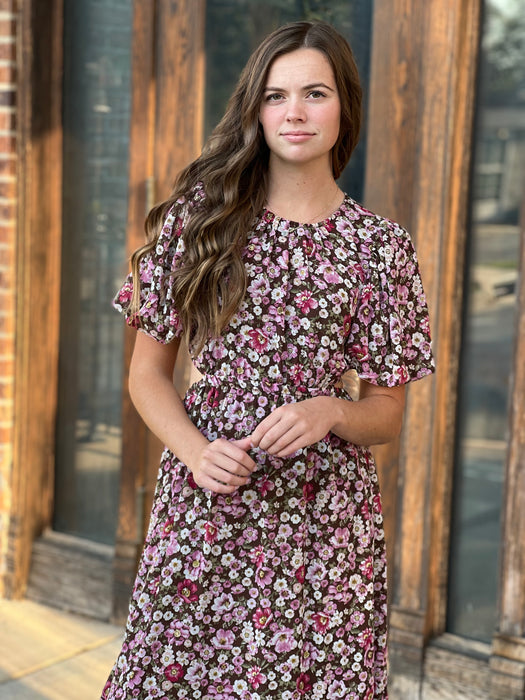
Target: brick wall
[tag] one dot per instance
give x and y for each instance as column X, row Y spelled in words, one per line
column 8, row 230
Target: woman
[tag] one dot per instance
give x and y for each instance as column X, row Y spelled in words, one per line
column 263, row 572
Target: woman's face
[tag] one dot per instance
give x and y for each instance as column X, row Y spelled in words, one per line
column 300, row 111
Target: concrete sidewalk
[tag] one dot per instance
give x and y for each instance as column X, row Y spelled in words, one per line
column 47, row 654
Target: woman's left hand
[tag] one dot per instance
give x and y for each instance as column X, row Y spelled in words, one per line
column 293, row 426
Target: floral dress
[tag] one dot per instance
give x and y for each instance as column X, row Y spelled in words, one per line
column 278, row 590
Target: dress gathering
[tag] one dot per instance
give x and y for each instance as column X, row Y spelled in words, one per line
column 277, row 590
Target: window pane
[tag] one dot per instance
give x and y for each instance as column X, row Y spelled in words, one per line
column 97, row 61
column 234, row 28
column 489, row 327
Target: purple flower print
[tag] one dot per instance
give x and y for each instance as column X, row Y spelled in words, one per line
column 224, row 639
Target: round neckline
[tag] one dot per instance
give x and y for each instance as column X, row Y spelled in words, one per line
column 298, row 224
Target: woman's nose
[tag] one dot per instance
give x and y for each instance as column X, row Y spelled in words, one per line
column 296, row 111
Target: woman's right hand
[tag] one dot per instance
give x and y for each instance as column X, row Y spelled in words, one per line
column 223, row 465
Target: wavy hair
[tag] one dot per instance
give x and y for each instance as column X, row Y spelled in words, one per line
column 210, row 283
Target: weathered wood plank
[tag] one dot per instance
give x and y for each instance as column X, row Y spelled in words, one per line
column 418, row 164
column 72, row 574
column 39, row 67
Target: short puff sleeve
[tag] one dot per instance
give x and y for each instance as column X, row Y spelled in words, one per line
column 389, row 340
column 157, row 316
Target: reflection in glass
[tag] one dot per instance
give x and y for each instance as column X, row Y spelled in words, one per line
column 234, row 28
column 489, row 326
column 97, row 60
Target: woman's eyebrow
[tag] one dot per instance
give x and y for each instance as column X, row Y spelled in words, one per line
column 306, row 87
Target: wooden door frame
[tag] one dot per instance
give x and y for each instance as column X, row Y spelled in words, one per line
column 423, row 77
column 167, row 72
column 39, row 144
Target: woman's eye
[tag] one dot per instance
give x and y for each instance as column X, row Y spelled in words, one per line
column 316, row 94
column 274, row 97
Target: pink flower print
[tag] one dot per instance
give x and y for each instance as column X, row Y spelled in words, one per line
column 174, row 672
column 303, row 684
column 321, row 621
column 241, row 368
column 125, row 294
column 255, row 677
column 308, row 246
column 360, row 352
column 297, row 374
column 258, row 339
column 264, row 485
column 330, row 274
column 211, row 399
column 210, row 531
column 367, row 568
column 341, row 537
column 178, row 632
column 223, row 639
column 308, row 491
column 347, row 325
column 168, row 526
column 305, row 301
column 191, row 481
column 365, row 639
column 134, row 677
column 300, row 573
column 257, row 556
column 221, row 690
column 195, row 563
column 264, row 576
column 377, row 503
column 153, row 587
column 340, row 591
column 262, row 618
column 187, row 590
column 284, row 640
column 364, row 313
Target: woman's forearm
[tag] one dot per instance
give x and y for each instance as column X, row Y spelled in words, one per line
column 373, row 420
column 160, row 406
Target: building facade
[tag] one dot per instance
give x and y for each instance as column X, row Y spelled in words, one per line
column 101, row 103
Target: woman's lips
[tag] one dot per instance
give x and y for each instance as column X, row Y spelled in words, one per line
column 297, row 136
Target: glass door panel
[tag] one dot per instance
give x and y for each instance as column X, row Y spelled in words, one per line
column 96, row 108
column 489, row 325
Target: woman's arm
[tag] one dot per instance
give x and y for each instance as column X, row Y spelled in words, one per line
column 222, row 465
column 374, row 419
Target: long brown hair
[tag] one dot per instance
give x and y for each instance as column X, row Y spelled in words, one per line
column 210, row 283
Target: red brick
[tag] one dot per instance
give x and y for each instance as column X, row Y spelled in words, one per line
column 7, row 5
column 7, row 365
column 7, row 143
column 7, row 390
column 8, row 75
column 6, row 436
column 8, row 27
column 8, row 213
column 7, row 120
column 7, row 165
column 7, row 324
column 6, row 411
column 7, row 51
column 8, row 190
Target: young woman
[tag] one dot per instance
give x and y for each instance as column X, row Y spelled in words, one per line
column 263, row 572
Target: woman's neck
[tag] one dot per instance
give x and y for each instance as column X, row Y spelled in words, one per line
column 300, row 195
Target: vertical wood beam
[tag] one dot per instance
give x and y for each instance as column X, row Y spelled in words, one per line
column 134, row 434
column 166, row 133
column 38, row 278
column 420, row 130
column 507, row 662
